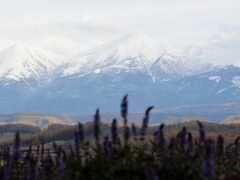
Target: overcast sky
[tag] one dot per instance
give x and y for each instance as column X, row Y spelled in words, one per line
column 69, row 26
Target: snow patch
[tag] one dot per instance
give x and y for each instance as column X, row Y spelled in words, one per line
column 24, row 61
column 236, row 81
column 215, row 78
column 97, row 71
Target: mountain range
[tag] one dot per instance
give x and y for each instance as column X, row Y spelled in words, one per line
column 36, row 80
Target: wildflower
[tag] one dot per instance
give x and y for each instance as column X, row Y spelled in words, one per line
column 42, row 150
column 190, row 141
column 16, row 153
column 124, row 108
column 161, row 138
column 114, row 132
column 134, row 131
column 182, row 137
column 105, row 145
column 220, row 145
column 171, row 146
column 201, row 132
column 6, row 156
column 145, row 121
column 212, row 167
column 38, row 152
column 71, row 151
column 29, row 153
column 81, row 133
column 59, row 161
column 124, row 112
column 126, row 134
column 64, row 156
column 48, row 164
column 77, row 143
column 209, row 161
column 237, row 141
column 55, row 148
column 97, row 126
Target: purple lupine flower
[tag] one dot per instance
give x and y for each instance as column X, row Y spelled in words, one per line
column 119, row 143
column 42, row 150
column 71, row 151
column 110, row 150
column 55, row 148
column 220, row 145
column 97, row 126
column 77, row 143
column 209, row 158
column 150, row 170
column 159, row 136
column 171, row 146
column 64, row 156
column 126, row 135
column 201, row 131
column 81, row 133
column 114, row 131
column 16, row 153
column 38, row 152
column 124, row 113
column 105, row 145
column 182, row 137
column 190, row 141
column 8, row 155
column 59, row 161
column 5, row 155
column 48, row 163
column 134, row 130
column 61, row 165
column 204, row 168
column 29, row 153
column 212, row 167
column 145, row 121
column 124, row 109
column 237, row 141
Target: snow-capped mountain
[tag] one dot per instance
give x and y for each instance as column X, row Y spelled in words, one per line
column 132, row 53
column 20, row 62
column 34, row 80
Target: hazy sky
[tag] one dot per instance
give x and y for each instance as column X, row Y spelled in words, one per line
column 68, row 26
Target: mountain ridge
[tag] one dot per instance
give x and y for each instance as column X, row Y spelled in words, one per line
column 99, row 77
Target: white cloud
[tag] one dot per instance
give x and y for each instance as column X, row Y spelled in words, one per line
column 221, row 48
column 68, row 27
column 5, row 43
column 65, row 46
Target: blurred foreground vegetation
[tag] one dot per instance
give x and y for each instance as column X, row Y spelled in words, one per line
column 189, row 150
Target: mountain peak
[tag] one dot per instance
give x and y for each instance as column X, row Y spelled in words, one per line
column 136, row 37
column 24, row 60
column 131, row 51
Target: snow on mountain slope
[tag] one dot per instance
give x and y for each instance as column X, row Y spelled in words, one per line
column 27, row 61
column 34, row 80
column 176, row 66
column 132, row 51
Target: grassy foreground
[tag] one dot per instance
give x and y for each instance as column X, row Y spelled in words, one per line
column 127, row 153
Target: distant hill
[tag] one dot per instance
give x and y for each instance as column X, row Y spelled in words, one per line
column 227, row 113
column 65, row 133
column 39, row 120
column 232, row 120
